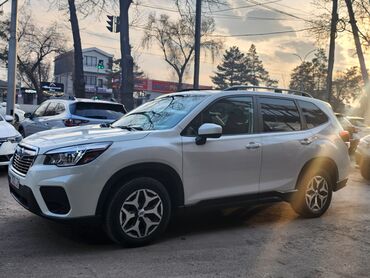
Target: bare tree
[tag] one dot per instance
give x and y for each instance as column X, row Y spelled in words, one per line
column 127, row 61
column 176, row 40
column 36, row 45
column 360, row 55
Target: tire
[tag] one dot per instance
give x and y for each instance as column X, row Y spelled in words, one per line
column 136, row 204
column 315, row 190
column 365, row 169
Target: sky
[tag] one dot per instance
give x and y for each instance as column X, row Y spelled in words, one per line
column 278, row 52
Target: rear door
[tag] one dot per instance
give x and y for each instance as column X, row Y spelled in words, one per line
column 226, row 166
column 54, row 116
column 286, row 143
column 36, row 123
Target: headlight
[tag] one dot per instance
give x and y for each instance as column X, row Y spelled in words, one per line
column 75, row 155
column 15, row 139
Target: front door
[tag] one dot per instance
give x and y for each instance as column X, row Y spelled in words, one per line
column 227, row 166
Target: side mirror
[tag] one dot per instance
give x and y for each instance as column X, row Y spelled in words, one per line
column 9, row 118
column 28, row 115
column 208, row 131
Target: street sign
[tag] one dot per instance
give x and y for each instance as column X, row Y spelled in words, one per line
column 52, row 88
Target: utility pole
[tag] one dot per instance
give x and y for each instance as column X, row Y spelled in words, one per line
column 12, row 60
column 198, row 29
column 333, row 32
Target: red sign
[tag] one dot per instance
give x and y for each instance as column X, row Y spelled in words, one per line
column 157, row 86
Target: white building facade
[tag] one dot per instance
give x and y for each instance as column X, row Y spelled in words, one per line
column 97, row 64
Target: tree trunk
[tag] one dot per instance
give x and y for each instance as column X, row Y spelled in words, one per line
column 78, row 73
column 127, row 62
column 361, row 59
column 333, row 31
column 179, row 83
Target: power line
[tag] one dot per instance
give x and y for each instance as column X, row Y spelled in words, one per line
column 278, row 11
column 246, row 6
column 262, row 34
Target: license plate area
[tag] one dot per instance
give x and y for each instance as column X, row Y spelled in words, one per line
column 14, row 181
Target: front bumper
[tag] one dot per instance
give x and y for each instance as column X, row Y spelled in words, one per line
column 58, row 193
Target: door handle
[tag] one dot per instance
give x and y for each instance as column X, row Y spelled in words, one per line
column 253, row 146
column 306, row 141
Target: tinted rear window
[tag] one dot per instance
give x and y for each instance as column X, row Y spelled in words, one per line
column 312, row 114
column 103, row 111
column 279, row 115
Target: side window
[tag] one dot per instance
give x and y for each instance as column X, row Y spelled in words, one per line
column 59, row 109
column 50, row 111
column 234, row 114
column 312, row 114
column 279, row 115
column 40, row 111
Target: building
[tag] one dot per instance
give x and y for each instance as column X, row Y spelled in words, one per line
column 97, row 64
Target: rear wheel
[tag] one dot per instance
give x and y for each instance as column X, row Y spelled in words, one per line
column 138, row 213
column 365, row 169
column 315, row 190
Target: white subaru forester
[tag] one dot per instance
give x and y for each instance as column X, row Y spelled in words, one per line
column 189, row 149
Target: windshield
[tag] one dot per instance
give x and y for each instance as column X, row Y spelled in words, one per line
column 161, row 113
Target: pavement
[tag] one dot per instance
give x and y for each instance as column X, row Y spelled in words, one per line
column 263, row 241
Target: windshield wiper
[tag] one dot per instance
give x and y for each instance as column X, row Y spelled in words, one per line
column 130, row 128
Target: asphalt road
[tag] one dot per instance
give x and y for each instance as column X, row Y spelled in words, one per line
column 265, row 241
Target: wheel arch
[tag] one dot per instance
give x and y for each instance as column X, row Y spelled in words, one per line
column 320, row 163
column 159, row 171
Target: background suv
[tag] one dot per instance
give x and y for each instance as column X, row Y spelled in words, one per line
column 190, row 149
column 58, row 113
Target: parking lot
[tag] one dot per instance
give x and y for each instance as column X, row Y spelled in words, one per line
column 265, row 241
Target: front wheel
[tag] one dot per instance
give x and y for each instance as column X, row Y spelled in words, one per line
column 315, row 190
column 138, row 213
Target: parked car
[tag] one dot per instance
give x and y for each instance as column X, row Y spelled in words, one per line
column 347, row 125
column 359, row 123
column 57, row 113
column 9, row 139
column 182, row 150
column 363, row 157
column 18, row 112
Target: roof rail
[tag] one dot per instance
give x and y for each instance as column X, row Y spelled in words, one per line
column 273, row 89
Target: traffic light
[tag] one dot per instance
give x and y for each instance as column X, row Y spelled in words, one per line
column 113, row 23
column 100, row 64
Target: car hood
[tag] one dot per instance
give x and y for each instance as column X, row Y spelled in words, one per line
column 63, row 137
column 7, row 130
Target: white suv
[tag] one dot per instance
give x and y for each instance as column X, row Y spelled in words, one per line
column 189, row 149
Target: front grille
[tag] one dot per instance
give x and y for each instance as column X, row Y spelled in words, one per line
column 23, row 159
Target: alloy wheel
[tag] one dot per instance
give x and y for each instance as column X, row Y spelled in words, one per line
column 141, row 213
column 317, row 193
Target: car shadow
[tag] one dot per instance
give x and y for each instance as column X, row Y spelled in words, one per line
column 182, row 225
